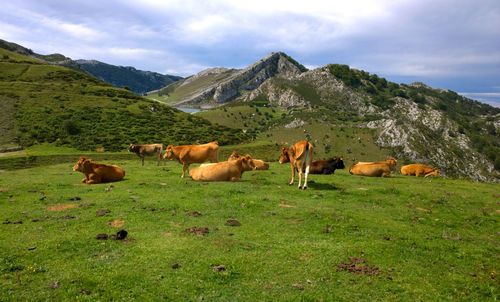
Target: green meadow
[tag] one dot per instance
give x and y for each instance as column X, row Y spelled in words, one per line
column 344, row 238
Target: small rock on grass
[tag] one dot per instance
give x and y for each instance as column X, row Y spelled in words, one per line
column 176, row 265
column 219, row 268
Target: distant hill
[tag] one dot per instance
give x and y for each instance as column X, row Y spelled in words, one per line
column 41, row 103
column 137, row 81
column 415, row 122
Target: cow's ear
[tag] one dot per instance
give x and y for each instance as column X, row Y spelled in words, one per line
column 340, row 158
column 82, row 157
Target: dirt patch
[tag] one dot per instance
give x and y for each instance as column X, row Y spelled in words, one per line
column 61, row 207
column 357, row 266
column 450, row 236
column 219, row 268
column 195, row 213
column 232, row 222
column 198, row 231
column 285, row 205
column 116, row 223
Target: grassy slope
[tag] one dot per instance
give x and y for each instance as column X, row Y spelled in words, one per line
column 70, row 108
column 432, row 239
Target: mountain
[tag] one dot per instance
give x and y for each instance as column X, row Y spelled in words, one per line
column 137, row 81
column 415, row 122
column 41, row 102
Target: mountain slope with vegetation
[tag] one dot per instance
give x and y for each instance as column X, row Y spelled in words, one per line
column 414, row 122
column 137, row 81
column 52, row 104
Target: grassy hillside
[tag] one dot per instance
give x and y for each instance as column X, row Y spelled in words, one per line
column 70, row 108
column 346, row 238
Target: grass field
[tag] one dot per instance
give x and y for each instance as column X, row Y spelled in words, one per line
column 345, row 238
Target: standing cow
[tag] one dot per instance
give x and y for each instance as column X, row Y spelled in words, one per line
column 300, row 158
column 190, row 154
column 147, row 150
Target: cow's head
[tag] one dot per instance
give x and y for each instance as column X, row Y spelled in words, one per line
column 169, row 152
column 234, row 156
column 434, row 173
column 339, row 163
column 79, row 164
column 131, row 148
column 247, row 163
column 284, row 157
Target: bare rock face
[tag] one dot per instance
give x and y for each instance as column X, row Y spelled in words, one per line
column 235, row 83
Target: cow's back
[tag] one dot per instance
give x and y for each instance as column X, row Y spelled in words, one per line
column 374, row 170
column 108, row 173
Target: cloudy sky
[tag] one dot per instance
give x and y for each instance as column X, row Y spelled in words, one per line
column 453, row 44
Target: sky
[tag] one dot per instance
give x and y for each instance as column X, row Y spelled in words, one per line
column 451, row 44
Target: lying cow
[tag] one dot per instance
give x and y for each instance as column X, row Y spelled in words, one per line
column 190, row 154
column 97, row 173
column 419, row 170
column 372, row 169
column 391, row 161
column 259, row 164
column 147, row 150
column 223, row 171
column 326, row 166
column 300, row 158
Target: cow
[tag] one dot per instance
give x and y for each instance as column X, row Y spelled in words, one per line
column 190, row 154
column 327, row 166
column 223, row 171
column 259, row 164
column 372, row 169
column 300, row 158
column 391, row 161
column 419, row 170
column 147, row 150
column 97, row 173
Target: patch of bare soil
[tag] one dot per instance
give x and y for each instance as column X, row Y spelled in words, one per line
column 116, row 223
column 232, row 222
column 198, row 231
column 194, row 213
column 61, row 207
column 102, row 212
column 219, row 268
column 358, row 266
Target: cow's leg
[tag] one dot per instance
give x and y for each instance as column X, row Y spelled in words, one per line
column 93, row 179
column 293, row 174
column 142, row 157
column 159, row 158
column 185, row 167
column 84, row 180
column 305, row 180
column 300, row 177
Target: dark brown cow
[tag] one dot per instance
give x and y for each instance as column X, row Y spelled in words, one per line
column 147, row 150
column 190, row 154
column 326, row 166
column 300, row 158
column 97, row 173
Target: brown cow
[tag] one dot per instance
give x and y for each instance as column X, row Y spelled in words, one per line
column 419, row 170
column 300, row 158
column 374, row 169
column 147, row 150
column 259, row 164
column 97, row 173
column 223, row 171
column 326, row 166
column 190, row 154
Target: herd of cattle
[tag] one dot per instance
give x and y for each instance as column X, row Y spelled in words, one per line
column 299, row 156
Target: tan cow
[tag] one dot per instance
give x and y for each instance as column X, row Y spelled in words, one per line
column 190, row 154
column 97, row 173
column 300, row 158
column 391, row 161
column 223, row 171
column 147, row 150
column 419, row 170
column 259, row 164
column 373, row 169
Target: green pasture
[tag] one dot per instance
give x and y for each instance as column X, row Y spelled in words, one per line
column 344, row 238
